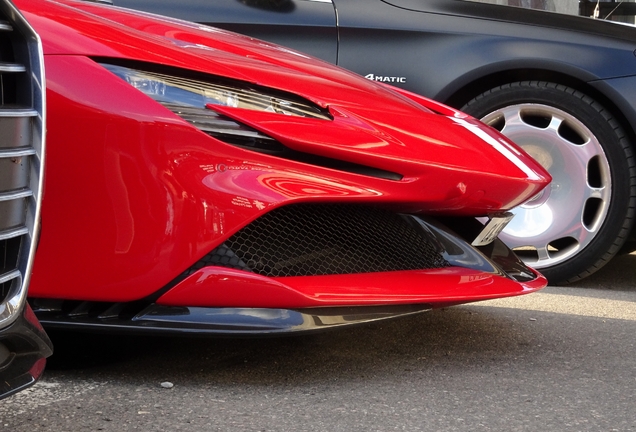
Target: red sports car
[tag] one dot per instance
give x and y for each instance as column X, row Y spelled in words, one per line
column 204, row 182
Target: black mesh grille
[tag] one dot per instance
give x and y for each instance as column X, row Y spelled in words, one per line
column 304, row 240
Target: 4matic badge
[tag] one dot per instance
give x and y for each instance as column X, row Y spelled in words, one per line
column 386, row 79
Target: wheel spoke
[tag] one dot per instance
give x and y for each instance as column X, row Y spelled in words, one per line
column 543, row 253
column 511, row 116
column 598, row 193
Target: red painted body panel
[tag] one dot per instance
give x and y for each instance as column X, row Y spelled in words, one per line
column 219, row 287
column 135, row 195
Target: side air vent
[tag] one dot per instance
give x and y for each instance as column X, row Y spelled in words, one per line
column 21, row 155
column 313, row 239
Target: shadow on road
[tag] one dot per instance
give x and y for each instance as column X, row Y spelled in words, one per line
column 617, row 275
column 434, row 338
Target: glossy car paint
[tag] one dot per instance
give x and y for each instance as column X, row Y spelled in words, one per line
column 458, row 50
column 226, row 288
column 136, row 195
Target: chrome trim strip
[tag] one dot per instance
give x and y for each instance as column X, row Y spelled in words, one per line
column 5, row 26
column 9, row 276
column 13, row 232
column 16, row 194
column 18, row 112
column 11, row 67
column 15, row 153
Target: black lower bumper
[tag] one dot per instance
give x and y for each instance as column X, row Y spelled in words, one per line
column 157, row 319
column 24, row 347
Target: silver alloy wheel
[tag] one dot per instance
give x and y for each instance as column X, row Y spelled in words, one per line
column 563, row 219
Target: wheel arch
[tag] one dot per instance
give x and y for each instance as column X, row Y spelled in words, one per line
column 458, row 93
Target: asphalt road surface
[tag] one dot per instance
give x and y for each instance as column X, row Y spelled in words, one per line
column 563, row 359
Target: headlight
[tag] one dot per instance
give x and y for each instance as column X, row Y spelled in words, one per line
column 187, row 92
column 192, row 97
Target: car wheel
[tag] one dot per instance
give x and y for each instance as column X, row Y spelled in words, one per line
column 573, row 227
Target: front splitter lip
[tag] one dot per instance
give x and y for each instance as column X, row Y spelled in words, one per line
column 252, row 321
column 166, row 320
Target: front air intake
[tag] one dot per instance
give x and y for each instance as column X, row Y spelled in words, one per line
column 318, row 239
column 21, row 151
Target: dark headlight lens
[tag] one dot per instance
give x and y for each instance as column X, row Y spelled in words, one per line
column 187, row 92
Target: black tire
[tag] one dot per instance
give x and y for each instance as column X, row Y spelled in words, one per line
column 593, row 166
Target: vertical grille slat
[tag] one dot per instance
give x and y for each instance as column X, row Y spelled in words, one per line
column 22, row 118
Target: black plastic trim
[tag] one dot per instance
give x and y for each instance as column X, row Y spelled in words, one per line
column 158, row 319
